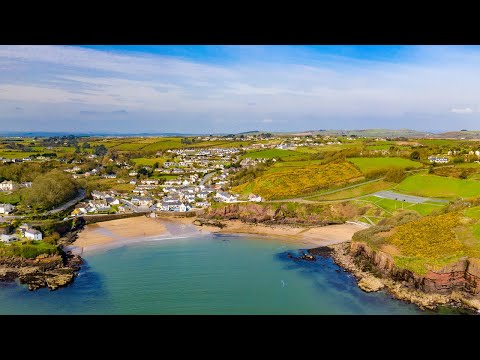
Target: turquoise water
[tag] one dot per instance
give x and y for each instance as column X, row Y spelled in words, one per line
column 208, row 274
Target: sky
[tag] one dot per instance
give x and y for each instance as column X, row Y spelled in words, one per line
column 230, row 89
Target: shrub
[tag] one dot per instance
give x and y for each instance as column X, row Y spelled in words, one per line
column 395, row 175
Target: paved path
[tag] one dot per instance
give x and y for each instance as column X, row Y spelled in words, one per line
column 81, row 195
column 407, row 198
column 207, row 177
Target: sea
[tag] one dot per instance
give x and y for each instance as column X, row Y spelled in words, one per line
column 205, row 274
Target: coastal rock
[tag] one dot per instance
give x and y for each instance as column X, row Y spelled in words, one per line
column 370, row 284
column 54, row 281
column 209, row 222
column 428, row 292
column 52, row 271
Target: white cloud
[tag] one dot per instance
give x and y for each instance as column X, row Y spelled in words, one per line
column 92, row 80
column 462, row 110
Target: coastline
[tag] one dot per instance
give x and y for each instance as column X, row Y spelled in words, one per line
column 369, row 282
column 119, row 232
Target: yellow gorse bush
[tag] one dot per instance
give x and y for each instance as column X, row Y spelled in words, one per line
column 299, row 181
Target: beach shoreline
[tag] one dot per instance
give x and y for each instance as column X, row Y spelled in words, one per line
column 113, row 233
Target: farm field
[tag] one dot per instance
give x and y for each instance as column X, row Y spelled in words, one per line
column 439, row 186
column 297, row 181
column 371, row 164
column 148, row 161
column 270, row 154
column 390, row 205
column 361, row 190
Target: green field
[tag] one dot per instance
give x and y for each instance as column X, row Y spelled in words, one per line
column 378, row 147
column 13, row 198
column 270, row 154
column 371, row 164
column 439, row 186
column 390, row 205
column 361, row 190
column 148, row 161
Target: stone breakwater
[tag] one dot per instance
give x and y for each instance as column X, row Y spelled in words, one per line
column 52, row 271
column 457, row 284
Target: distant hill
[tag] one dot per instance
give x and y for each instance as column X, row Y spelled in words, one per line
column 463, row 134
column 376, row 133
column 250, row 132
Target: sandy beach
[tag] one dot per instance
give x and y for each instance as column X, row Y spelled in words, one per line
column 105, row 233
column 109, row 233
column 314, row 236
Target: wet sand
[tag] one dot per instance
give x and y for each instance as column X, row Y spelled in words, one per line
column 314, row 236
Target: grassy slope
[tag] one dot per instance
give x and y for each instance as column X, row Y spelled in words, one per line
column 355, row 192
column 439, row 186
column 270, row 154
column 296, row 181
column 391, row 206
column 370, row 164
column 430, row 242
column 27, row 249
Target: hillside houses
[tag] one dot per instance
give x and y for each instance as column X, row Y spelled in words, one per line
column 8, row 186
column 32, row 234
column 223, row 196
column 6, row 209
column 438, row 160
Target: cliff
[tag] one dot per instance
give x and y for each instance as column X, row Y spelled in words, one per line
column 282, row 213
column 454, row 284
column 463, row 275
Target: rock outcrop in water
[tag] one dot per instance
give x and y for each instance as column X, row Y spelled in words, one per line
column 52, row 271
column 456, row 284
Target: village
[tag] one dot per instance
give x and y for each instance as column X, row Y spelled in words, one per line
column 183, row 180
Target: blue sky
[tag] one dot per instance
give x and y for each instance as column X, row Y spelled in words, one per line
column 208, row 89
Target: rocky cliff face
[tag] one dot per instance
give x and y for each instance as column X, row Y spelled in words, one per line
column 256, row 213
column 461, row 276
column 52, row 271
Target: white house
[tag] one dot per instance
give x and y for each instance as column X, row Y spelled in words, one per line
column 226, row 197
column 33, row 234
column 132, row 173
column 435, row 159
column 202, row 194
column 255, row 198
column 112, row 201
column 6, row 208
column 146, row 201
column 202, row 204
column 8, row 186
column 149, row 182
column 7, row 238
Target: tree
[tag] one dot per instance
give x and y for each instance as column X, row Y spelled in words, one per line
column 86, row 145
column 415, row 155
column 395, row 175
column 49, row 190
column 100, row 150
column 143, row 171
